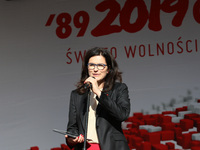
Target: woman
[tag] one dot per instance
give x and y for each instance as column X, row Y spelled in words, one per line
column 109, row 104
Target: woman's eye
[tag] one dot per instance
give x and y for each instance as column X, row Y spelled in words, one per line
column 102, row 66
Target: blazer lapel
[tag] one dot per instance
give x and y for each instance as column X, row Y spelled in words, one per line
column 99, row 109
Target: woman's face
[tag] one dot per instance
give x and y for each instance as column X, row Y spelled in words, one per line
column 97, row 67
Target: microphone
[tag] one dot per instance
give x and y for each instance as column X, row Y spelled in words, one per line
column 88, row 85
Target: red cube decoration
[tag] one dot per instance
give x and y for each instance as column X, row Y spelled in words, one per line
column 145, row 146
column 167, row 135
column 186, row 124
column 34, row 148
column 159, row 147
column 170, row 145
column 153, row 138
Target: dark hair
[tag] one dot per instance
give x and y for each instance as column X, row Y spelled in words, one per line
column 113, row 74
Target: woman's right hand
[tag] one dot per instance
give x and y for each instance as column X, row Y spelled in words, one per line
column 72, row 141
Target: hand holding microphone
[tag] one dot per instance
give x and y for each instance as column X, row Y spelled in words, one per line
column 87, row 83
column 92, row 83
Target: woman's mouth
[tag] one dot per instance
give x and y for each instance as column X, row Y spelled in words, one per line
column 95, row 75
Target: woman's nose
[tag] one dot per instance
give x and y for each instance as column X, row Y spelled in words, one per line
column 95, row 68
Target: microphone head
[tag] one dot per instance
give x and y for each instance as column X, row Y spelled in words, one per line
column 87, row 85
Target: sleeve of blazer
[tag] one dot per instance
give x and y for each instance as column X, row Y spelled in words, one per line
column 72, row 124
column 118, row 103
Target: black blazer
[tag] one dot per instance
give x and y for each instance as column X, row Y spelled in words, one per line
column 112, row 109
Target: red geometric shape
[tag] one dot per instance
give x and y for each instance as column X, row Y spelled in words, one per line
column 167, row 135
column 168, row 126
column 138, row 115
column 178, row 132
column 130, row 125
column 195, row 148
column 159, row 147
column 186, row 124
column 153, row 138
column 133, row 131
column 180, row 109
column 34, row 148
column 128, row 138
column 126, row 132
column 165, row 119
column 191, row 116
column 179, row 140
column 198, row 126
column 195, row 143
column 135, row 125
column 186, row 140
column 145, row 146
column 168, row 112
column 134, row 140
column 170, row 145
column 196, row 120
column 130, row 119
column 143, row 133
column 150, row 121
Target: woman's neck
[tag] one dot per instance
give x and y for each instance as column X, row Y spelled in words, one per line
column 101, row 84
